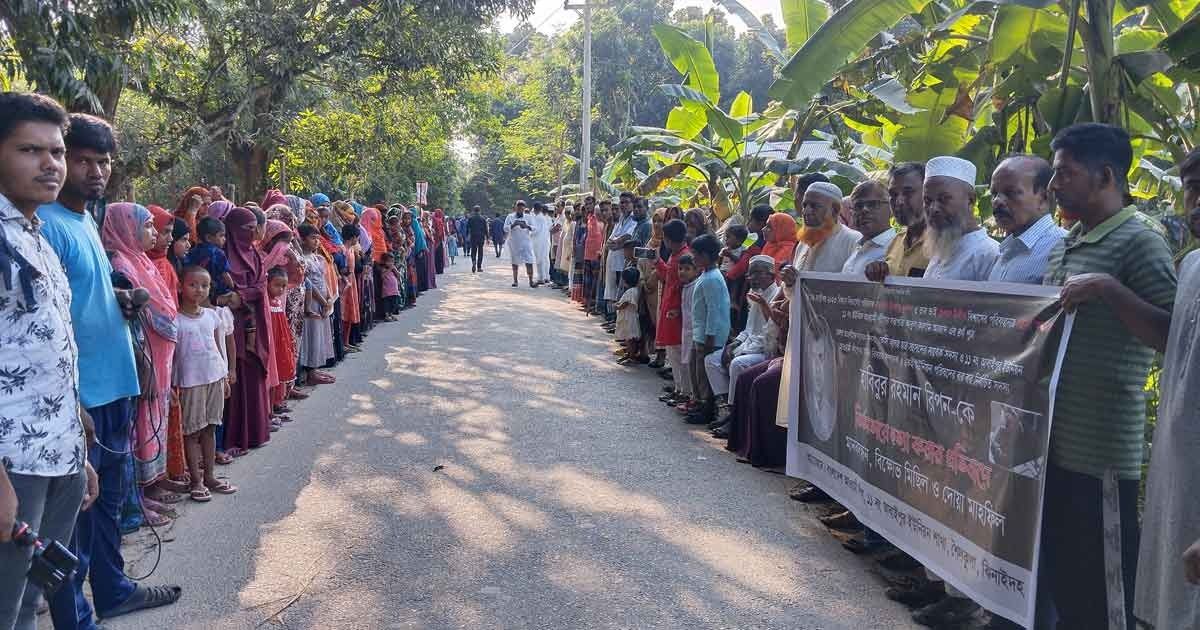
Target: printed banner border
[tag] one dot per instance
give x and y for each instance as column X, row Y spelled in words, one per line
column 787, row 411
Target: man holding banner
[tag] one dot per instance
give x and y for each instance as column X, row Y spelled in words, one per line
column 1117, row 273
column 939, row 446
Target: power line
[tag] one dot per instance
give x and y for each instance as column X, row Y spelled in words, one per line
column 535, row 29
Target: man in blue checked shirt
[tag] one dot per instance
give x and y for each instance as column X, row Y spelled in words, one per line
column 1021, row 206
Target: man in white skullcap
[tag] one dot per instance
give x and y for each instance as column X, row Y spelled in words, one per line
column 958, row 248
column 825, row 243
column 754, row 344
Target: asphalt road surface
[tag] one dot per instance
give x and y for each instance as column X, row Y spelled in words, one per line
column 483, row 463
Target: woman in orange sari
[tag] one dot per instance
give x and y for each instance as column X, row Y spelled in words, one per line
column 192, row 207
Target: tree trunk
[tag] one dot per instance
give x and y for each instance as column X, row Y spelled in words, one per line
column 250, row 167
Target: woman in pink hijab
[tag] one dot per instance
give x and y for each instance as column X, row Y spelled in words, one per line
column 129, row 233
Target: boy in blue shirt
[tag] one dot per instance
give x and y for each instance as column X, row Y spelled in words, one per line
column 710, row 322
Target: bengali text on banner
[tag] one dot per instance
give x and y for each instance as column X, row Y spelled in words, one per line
column 924, row 407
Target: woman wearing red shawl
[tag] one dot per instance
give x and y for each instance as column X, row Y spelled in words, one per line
column 129, row 233
column 247, row 420
column 192, row 207
column 439, row 239
column 780, row 235
column 372, row 222
column 164, row 223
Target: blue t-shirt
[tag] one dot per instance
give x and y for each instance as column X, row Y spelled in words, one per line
column 710, row 308
column 107, row 371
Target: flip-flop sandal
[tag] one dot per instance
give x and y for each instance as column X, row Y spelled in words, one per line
column 223, row 487
column 173, row 485
column 201, row 495
column 275, row 426
column 169, row 498
column 236, row 452
column 286, row 418
column 151, row 518
column 223, row 459
column 144, row 597
column 297, row 395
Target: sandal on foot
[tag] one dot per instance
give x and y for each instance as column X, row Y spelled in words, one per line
column 200, row 495
column 297, row 395
column 236, row 452
column 223, row 458
column 221, row 487
column 150, row 518
column 143, row 598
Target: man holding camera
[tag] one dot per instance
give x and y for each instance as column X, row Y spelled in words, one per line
column 45, row 477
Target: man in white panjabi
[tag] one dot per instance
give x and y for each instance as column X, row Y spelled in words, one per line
column 1167, row 592
column 518, row 227
column 824, row 243
column 541, row 223
column 958, row 248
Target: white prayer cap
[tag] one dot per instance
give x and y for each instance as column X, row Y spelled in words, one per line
column 761, row 260
column 827, row 189
column 952, row 167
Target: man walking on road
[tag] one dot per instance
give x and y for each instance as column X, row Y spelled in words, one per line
column 518, row 226
column 497, row 227
column 476, row 233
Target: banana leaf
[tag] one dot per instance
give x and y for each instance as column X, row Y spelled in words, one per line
column 841, row 38
column 802, row 18
column 692, row 59
column 754, row 25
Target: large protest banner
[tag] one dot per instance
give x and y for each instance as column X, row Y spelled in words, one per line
column 924, row 407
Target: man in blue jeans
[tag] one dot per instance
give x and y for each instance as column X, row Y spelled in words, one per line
column 108, row 382
column 43, row 469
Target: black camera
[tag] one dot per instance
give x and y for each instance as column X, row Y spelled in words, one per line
column 51, row 565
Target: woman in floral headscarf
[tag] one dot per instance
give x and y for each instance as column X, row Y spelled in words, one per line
column 129, row 233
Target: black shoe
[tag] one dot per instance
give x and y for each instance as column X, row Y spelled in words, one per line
column 514, row 284
column 860, row 545
column 719, row 422
column 923, row 594
column 809, row 494
column 842, row 521
column 721, row 432
column 898, row 561
column 697, row 418
column 950, row 611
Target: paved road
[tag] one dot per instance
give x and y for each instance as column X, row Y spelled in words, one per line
column 569, row 498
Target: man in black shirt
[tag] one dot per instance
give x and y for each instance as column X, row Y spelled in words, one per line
column 477, row 230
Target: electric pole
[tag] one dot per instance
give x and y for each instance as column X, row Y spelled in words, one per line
column 585, row 157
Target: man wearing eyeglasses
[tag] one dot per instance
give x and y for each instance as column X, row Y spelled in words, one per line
column 872, row 216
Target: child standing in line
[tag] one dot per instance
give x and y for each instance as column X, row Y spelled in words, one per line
column 316, row 342
column 629, row 329
column 452, row 246
column 204, row 379
column 735, row 246
column 283, row 351
column 687, row 278
column 710, row 324
column 210, row 254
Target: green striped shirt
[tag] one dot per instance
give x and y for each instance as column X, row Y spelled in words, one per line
column 1100, row 408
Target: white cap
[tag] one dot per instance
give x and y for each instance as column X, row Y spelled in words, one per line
column 952, row 167
column 762, row 259
column 827, row 189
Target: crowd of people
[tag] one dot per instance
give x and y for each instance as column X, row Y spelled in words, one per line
column 143, row 348
column 707, row 306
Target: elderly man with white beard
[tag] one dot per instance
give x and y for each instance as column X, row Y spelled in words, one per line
column 958, row 248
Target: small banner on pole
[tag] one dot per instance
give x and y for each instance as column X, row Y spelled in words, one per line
column 422, row 193
column 924, row 407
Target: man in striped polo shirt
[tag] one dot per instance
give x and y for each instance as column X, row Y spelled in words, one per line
column 1118, row 277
